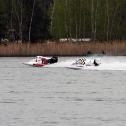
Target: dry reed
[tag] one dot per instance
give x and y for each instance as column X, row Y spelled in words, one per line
column 63, row 49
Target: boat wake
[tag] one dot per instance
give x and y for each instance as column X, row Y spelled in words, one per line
column 107, row 63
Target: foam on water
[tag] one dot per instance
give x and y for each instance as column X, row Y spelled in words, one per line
column 107, row 63
column 61, row 64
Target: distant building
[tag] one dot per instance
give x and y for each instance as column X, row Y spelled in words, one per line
column 75, row 40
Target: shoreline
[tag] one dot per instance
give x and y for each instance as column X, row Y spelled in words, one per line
column 114, row 48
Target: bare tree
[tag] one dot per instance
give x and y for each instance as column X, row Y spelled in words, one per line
column 76, row 19
column 113, row 19
column 52, row 15
column 95, row 20
column 92, row 19
column 107, row 9
column 70, row 19
column 66, row 20
column 84, row 19
column 80, row 19
column 11, row 23
column 19, row 15
column 29, row 35
column 21, row 20
column 11, row 30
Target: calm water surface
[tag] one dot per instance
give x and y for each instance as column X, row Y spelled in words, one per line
column 58, row 96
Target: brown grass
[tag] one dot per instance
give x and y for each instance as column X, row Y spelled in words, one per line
column 63, row 49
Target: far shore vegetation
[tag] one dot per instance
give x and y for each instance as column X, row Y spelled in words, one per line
column 47, row 27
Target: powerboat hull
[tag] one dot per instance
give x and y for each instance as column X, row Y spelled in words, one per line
column 40, row 61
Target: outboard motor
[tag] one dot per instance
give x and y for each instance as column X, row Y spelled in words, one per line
column 54, row 59
column 96, row 62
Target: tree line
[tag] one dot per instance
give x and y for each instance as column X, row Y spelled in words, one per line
column 36, row 20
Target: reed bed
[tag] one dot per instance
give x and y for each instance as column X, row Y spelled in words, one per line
column 63, row 49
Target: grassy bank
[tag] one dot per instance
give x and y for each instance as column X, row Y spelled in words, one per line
column 63, row 49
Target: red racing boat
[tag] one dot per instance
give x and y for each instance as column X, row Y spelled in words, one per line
column 40, row 61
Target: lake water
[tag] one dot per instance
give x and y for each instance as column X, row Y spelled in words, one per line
column 58, row 96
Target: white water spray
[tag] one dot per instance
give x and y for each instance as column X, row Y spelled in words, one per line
column 107, row 63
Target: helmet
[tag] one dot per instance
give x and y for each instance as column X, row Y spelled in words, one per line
column 97, row 62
